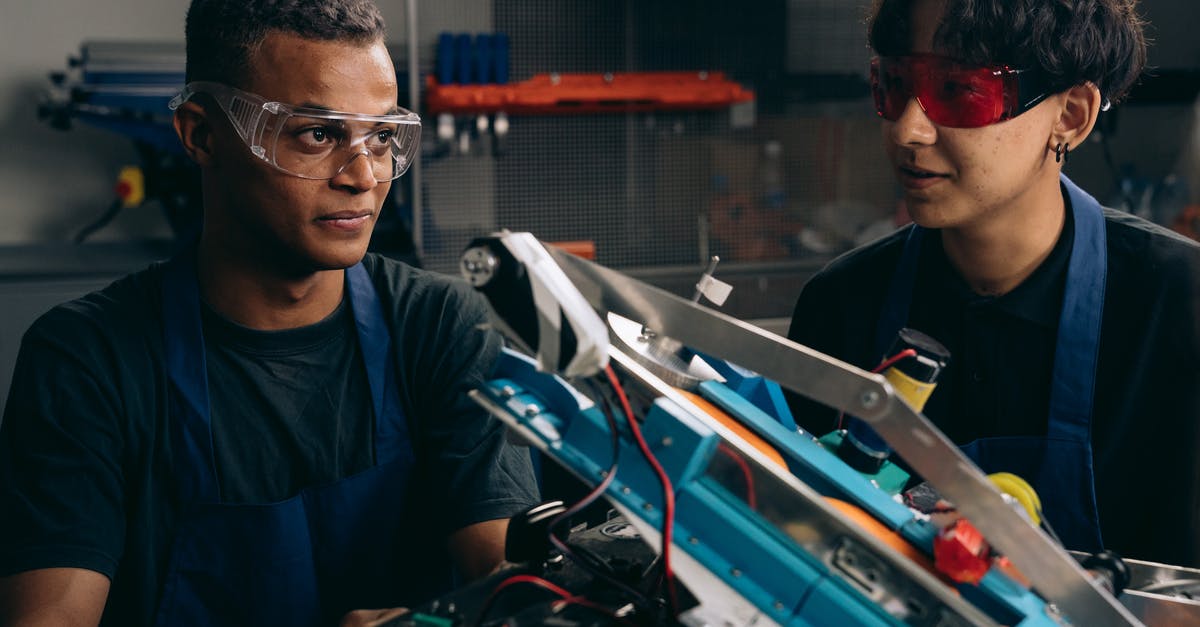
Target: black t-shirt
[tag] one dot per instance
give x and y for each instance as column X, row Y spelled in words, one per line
column 1146, row 413
column 294, row 408
column 86, row 469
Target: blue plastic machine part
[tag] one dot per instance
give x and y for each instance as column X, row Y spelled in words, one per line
column 715, row 527
column 763, row 393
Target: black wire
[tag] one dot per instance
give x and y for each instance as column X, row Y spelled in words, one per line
column 101, row 222
column 596, row 570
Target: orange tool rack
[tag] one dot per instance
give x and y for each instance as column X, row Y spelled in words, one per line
column 616, row 92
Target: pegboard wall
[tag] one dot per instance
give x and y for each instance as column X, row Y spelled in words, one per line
column 659, row 192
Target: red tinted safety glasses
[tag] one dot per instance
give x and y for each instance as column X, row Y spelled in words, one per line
column 952, row 93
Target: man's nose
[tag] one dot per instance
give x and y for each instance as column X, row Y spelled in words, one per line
column 913, row 127
column 358, row 174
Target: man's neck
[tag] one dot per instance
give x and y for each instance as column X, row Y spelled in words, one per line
column 265, row 298
column 997, row 253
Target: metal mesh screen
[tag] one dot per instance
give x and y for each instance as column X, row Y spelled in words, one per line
column 658, row 192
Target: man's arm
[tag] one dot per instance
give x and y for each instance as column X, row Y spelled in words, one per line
column 62, row 505
column 477, row 549
column 53, row 597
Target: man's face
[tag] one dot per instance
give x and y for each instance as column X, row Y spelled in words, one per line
column 963, row 177
column 290, row 224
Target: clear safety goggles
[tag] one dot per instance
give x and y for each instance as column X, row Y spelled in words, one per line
column 953, row 93
column 315, row 143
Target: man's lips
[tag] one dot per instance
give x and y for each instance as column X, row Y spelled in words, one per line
column 919, row 178
column 345, row 220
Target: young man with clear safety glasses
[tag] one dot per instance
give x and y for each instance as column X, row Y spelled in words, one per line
column 272, row 427
column 1074, row 330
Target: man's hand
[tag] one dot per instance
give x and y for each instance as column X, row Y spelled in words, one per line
column 370, row 618
column 477, row 550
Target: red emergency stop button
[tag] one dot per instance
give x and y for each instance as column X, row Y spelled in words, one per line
column 961, row 553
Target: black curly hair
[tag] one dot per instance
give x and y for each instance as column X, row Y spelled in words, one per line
column 1071, row 41
column 222, row 34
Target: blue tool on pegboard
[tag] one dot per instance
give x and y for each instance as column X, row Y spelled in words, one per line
column 464, row 59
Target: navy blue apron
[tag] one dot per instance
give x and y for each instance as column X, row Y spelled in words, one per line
column 1059, row 466
column 306, row 560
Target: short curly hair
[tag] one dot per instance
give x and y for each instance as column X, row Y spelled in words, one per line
column 222, row 34
column 1071, row 41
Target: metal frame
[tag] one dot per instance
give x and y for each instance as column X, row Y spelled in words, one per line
column 1054, row 573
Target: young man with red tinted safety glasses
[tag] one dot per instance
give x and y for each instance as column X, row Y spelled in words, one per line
column 1074, row 330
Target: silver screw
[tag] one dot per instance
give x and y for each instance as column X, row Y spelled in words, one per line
column 532, row 410
column 869, row 399
column 507, row 392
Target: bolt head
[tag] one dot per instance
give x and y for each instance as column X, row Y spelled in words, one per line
column 869, row 399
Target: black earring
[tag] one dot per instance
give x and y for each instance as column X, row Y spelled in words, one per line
column 1061, row 152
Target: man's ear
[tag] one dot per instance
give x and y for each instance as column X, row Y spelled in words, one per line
column 195, row 132
column 1077, row 116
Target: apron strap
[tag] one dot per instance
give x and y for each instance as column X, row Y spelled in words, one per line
column 392, row 438
column 1078, row 344
column 187, row 371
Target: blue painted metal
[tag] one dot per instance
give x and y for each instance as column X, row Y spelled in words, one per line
column 809, row 461
column 715, row 527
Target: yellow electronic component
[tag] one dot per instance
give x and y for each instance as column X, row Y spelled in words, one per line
column 914, row 391
column 131, row 186
column 1020, row 490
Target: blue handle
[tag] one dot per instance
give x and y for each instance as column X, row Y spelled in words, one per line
column 500, row 57
column 483, row 58
column 445, row 59
column 462, row 58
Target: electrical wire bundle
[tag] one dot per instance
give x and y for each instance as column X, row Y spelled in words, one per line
column 643, row 602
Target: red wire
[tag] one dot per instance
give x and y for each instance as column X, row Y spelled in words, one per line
column 566, row 596
column 584, row 602
column 747, row 477
column 890, row 361
column 515, row 579
column 884, row 365
column 668, row 492
column 577, row 507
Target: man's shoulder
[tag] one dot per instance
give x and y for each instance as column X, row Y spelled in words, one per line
column 1152, row 250
column 406, row 290
column 869, row 261
column 396, row 277
column 127, row 306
